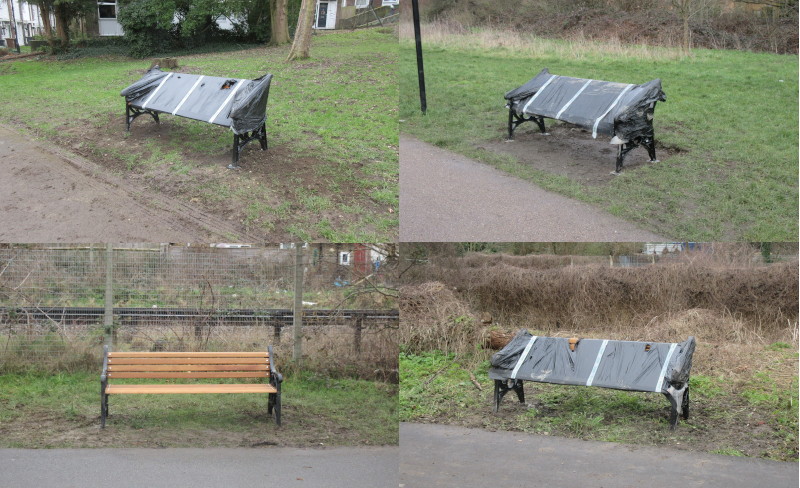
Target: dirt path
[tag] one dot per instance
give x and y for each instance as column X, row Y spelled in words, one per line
column 448, row 197
column 447, row 456
column 50, row 195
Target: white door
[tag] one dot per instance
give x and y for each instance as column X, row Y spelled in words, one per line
column 326, row 15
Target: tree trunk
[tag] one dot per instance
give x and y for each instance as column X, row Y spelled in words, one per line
column 687, row 41
column 279, row 19
column 62, row 24
column 44, row 10
column 301, row 45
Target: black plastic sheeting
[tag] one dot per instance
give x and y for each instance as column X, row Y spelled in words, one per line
column 236, row 103
column 622, row 365
column 604, row 107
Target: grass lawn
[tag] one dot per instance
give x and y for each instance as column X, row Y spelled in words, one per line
column 729, row 125
column 63, row 410
column 754, row 416
column 331, row 172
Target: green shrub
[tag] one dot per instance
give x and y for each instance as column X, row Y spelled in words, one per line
column 148, row 25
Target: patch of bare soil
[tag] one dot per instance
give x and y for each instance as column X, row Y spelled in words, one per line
column 279, row 170
column 48, row 429
column 570, row 151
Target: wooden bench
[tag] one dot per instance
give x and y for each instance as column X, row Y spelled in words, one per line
column 622, row 365
column 174, row 365
column 619, row 110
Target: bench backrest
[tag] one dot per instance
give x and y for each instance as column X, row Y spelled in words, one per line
column 623, row 365
column 188, row 364
column 229, row 102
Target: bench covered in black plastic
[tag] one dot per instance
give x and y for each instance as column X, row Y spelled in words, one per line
column 240, row 104
column 619, row 110
column 622, row 365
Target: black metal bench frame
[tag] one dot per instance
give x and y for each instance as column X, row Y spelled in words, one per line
column 678, row 399
column 647, row 139
column 239, row 140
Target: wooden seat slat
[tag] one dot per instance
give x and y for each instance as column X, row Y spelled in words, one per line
column 188, row 367
column 196, row 374
column 187, row 354
column 195, row 388
column 187, row 360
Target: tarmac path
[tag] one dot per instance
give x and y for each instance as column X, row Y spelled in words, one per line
column 445, row 196
column 442, row 456
column 339, row 467
column 50, row 195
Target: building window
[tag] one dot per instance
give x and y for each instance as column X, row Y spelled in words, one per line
column 362, row 3
column 390, row 3
column 344, row 258
column 107, row 9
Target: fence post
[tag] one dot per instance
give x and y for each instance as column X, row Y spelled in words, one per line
column 610, row 260
column 357, row 334
column 108, row 315
column 297, row 321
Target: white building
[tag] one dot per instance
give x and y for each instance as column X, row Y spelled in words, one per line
column 328, row 12
column 28, row 21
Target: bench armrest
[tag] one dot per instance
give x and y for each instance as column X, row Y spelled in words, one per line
column 104, row 374
column 274, row 376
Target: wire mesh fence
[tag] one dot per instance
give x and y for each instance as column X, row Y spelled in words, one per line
column 59, row 305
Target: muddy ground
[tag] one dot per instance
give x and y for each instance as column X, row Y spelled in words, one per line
column 50, row 195
column 570, row 151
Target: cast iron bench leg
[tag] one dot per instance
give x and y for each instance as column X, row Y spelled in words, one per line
column 650, row 144
column 678, row 400
column 131, row 114
column 262, row 136
column 236, row 149
column 624, row 149
column 502, row 387
column 515, row 120
column 103, row 406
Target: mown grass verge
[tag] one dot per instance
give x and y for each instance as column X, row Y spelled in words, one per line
column 730, row 120
column 755, row 416
column 331, row 172
column 63, row 410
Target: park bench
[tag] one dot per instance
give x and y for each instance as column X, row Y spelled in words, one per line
column 229, row 102
column 622, row 365
column 622, row 111
column 174, row 365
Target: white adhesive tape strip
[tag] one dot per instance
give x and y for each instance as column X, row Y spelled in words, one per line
column 523, row 357
column 597, row 362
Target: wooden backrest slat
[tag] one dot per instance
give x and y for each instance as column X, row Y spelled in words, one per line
column 186, row 360
column 194, row 374
column 188, row 367
column 117, row 354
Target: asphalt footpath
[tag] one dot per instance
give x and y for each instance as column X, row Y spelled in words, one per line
column 433, row 456
column 445, row 196
column 342, row 467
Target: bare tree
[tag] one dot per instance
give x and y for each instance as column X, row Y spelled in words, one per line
column 279, row 19
column 687, row 9
column 301, row 46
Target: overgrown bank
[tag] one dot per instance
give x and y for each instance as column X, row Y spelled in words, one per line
column 756, row 26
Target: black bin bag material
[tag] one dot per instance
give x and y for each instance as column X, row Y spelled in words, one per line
column 236, row 103
column 620, row 110
column 622, row 365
